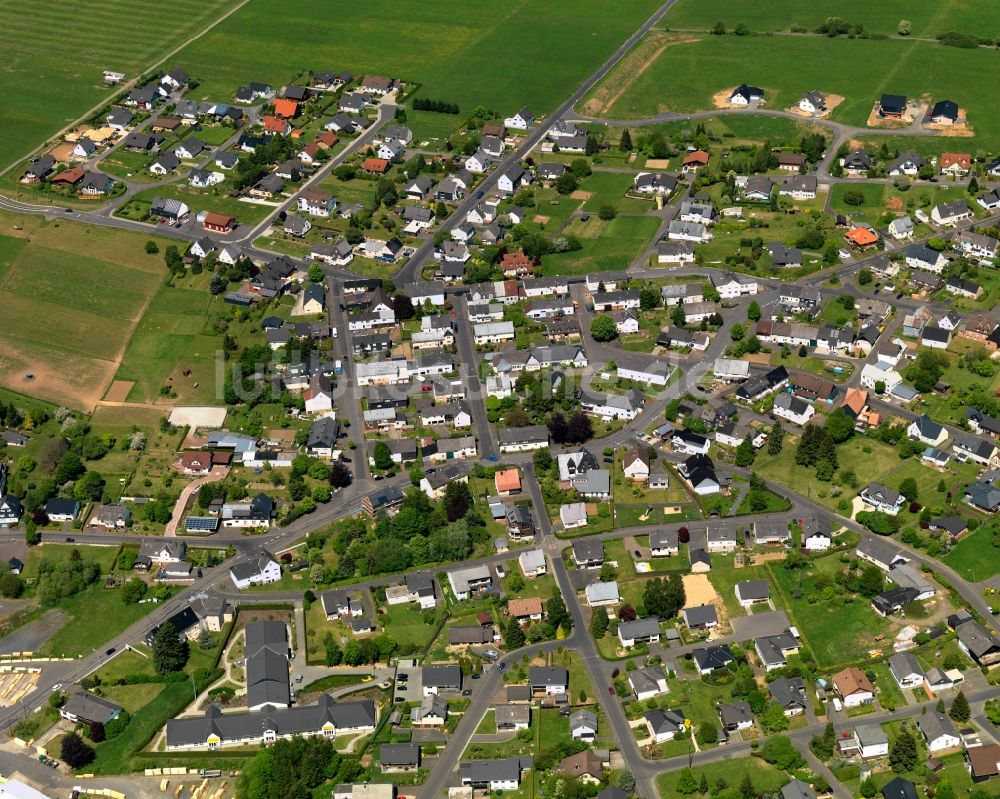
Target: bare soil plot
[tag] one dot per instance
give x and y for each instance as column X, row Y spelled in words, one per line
column 118, row 392
column 698, row 590
column 580, row 194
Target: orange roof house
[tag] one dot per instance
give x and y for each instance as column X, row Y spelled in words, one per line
column 855, row 400
column 70, row 176
column 220, row 223
column 862, row 236
column 527, row 608
column 326, row 139
column 852, row 682
column 507, row 481
column 286, row 108
column 376, row 166
column 516, row 264
column 276, row 125
column 956, row 162
column 696, row 159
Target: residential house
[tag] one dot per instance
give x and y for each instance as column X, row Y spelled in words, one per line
column 854, row 688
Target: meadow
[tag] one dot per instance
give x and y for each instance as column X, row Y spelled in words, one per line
column 684, row 77
column 68, row 315
column 54, row 56
column 169, row 331
column 606, row 246
column 975, row 556
column 970, row 16
column 533, row 53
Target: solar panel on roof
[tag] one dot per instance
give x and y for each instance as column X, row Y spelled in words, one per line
column 201, row 523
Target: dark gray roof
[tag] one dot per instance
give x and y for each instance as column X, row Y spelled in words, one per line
column 301, row 719
column 446, row 676
column 88, row 707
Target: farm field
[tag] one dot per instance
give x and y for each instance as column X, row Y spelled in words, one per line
column 268, row 42
column 928, row 19
column 787, row 67
column 68, row 314
column 54, row 56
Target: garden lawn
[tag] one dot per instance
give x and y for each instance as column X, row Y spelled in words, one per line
column 132, row 697
column 976, row 556
column 405, row 623
column 836, row 631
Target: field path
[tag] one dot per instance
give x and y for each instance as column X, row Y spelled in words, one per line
column 217, row 473
column 123, row 86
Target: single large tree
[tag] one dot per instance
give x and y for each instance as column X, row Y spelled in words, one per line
column 960, row 710
column 603, row 328
column 457, row 500
column 170, row 651
column 382, row 456
column 75, row 751
column 903, row 753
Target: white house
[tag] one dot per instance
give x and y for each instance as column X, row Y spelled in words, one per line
column 795, row 410
column 258, row 568
column 950, row 214
column 522, row 120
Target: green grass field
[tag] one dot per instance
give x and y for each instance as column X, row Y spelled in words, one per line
column 71, row 298
column 870, row 460
column 975, row 557
column 972, row 16
column 449, row 47
column 170, row 331
column 766, row 778
column 54, row 56
column 685, row 76
column 96, row 616
column 837, row 631
column 612, row 247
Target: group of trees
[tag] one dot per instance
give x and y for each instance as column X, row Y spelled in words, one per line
column 358, row 652
column 664, row 597
column 60, row 579
column 926, row 369
column 817, row 449
column 255, row 165
column 577, row 429
column 293, row 769
column 61, row 459
column 422, row 531
column 438, row 106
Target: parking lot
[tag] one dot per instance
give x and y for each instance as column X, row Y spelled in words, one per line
column 409, row 689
